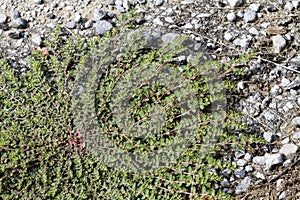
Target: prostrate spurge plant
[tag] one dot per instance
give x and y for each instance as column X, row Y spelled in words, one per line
column 43, row 157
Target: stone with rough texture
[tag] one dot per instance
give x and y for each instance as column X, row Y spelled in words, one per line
column 289, row 150
column 101, row 27
column 243, row 186
column 273, row 159
column 235, row 3
column 279, row 43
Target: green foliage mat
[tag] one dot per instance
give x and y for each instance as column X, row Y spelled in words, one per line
column 42, row 156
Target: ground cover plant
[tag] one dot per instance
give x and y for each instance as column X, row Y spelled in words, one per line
column 44, row 157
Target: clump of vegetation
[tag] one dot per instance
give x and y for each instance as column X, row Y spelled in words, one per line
column 43, row 156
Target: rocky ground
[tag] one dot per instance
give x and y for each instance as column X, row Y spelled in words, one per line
column 268, row 95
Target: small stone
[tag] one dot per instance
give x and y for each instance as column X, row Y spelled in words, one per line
column 285, row 81
column 69, row 8
column 293, row 93
column 19, row 23
column 268, row 115
column 250, row 16
column 279, row 43
column 282, row 195
column 169, row 20
column 158, row 2
column 88, row 24
column 99, row 14
column 289, row 150
column 15, row 15
column 231, row 17
column 126, row 5
column 295, row 83
column 36, row 40
column 53, row 5
column 285, row 141
column 38, row 1
column 296, row 136
column 296, row 121
column 289, row 6
column 4, row 27
column 101, row 27
column 240, row 13
column 188, row 26
column 225, row 183
column 239, row 173
column 119, row 2
column 253, row 31
column 3, row 18
column 157, row 21
column 269, row 136
column 230, row 35
column 15, row 35
column 296, row 3
column 248, row 157
column 243, row 186
column 255, row 7
column 249, row 168
column 271, row 8
column 260, row 160
column 71, row 24
column 273, row 159
column 275, row 90
column 235, row 3
column 226, row 172
column 239, row 153
column 241, row 162
column 77, row 17
column 50, row 15
column 260, row 175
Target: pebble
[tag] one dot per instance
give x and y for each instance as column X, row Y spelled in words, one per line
column 275, row 90
column 15, row 15
column 36, row 40
column 243, row 186
column 241, row 163
column 253, row 31
column 260, row 160
column 289, row 150
column 101, row 27
column 71, row 24
column 235, row 3
column 273, row 159
column 296, row 121
column 99, row 14
column 279, row 43
column 250, row 16
column 255, row 7
column 289, row 6
column 158, row 2
column 19, row 23
column 296, row 136
column 3, row 18
column 231, row 16
column 269, row 136
column 239, row 173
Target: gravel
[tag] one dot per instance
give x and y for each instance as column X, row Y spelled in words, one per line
column 268, row 94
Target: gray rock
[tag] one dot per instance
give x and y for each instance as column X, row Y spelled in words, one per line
column 101, row 27
column 239, row 173
column 248, row 157
column 15, row 15
column 285, row 82
column 38, row 1
column 19, row 23
column 88, row 24
column 279, row 43
column 296, row 136
column 239, row 154
column 241, row 162
column 269, row 115
column 77, row 17
column 282, row 195
column 260, row 175
column 119, row 2
column 3, row 18
column 296, row 121
column 273, row 159
column 253, row 31
column 240, row 13
column 295, row 83
column 230, row 35
column 243, row 186
column 231, row 17
column 225, row 183
column 71, row 24
column 289, row 150
column 226, row 172
column 269, row 136
column 255, row 7
column 260, row 160
column 126, row 5
column 250, row 16
column 289, row 6
column 296, row 3
column 99, row 14
column 275, row 90
column 235, row 3
column 36, row 40
column 158, row 2
column 249, row 168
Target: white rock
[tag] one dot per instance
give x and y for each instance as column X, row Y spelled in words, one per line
column 273, row 159
column 289, row 150
column 235, row 3
column 296, row 121
column 279, row 43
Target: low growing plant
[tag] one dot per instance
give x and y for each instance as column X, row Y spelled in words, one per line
column 44, row 157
